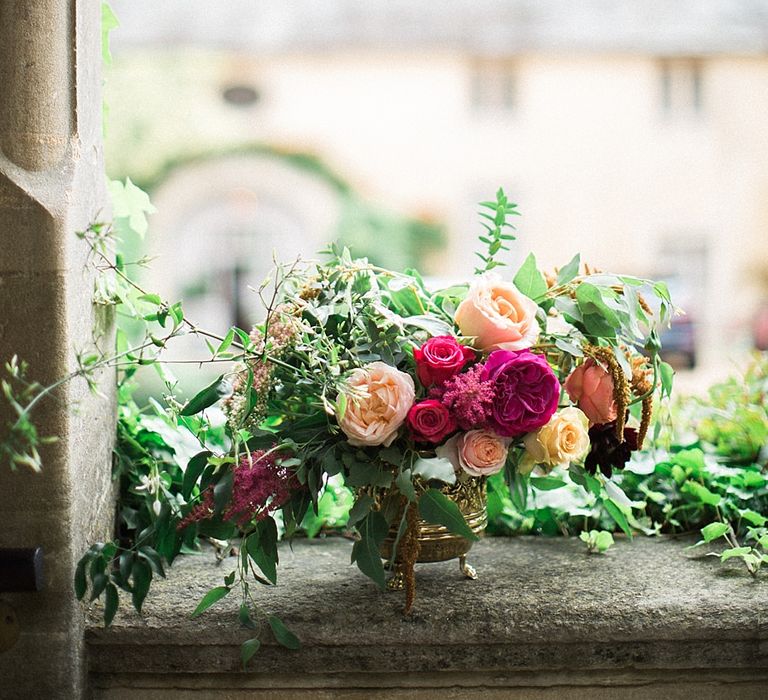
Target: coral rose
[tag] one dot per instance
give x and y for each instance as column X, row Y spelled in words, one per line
column 430, row 421
column 477, row 452
column 497, row 315
column 440, row 358
column 590, row 386
column 379, row 401
column 564, row 439
column 526, row 391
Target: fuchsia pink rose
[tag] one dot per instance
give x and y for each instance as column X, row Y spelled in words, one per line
column 590, row 386
column 526, row 391
column 430, row 421
column 440, row 358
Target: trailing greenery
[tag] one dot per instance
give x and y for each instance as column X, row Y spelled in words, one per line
column 711, row 476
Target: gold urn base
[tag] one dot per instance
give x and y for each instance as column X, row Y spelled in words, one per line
column 437, row 542
column 397, row 581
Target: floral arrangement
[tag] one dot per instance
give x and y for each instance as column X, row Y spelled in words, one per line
column 365, row 373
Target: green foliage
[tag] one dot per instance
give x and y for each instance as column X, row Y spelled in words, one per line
column 109, row 22
column 494, row 215
column 710, row 478
column 597, row 541
column 435, row 507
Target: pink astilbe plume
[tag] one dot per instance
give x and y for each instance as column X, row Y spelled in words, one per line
column 469, row 398
column 260, row 486
column 202, row 511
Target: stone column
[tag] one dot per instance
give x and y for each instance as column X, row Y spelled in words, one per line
column 51, row 185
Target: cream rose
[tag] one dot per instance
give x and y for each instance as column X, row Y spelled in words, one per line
column 497, row 315
column 477, row 452
column 378, row 402
column 564, row 439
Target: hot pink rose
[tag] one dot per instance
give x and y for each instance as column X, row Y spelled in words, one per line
column 477, row 452
column 498, row 315
column 430, row 421
column 440, row 358
column 526, row 391
column 590, row 386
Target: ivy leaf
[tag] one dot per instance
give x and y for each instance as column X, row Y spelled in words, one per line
column 436, row 507
column 282, row 634
column 753, row 517
column 529, row 280
column 569, row 271
column 713, row 531
column 360, row 509
column 211, row 597
column 207, row 397
column 247, row 649
column 131, row 203
column 590, row 301
column 108, row 22
column 404, row 484
column 734, row 552
column 702, row 493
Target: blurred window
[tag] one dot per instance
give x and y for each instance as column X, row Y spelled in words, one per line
column 682, row 87
column 493, row 84
column 240, row 95
column 683, row 261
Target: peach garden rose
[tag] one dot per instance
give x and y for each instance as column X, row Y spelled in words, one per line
column 564, row 439
column 477, row 452
column 591, row 387
column 379, row 401
column 497, row 315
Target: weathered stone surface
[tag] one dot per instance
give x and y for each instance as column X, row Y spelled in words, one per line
column 542, row 613
column 51, row 185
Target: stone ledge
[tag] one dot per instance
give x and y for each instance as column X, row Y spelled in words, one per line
column 542, row 614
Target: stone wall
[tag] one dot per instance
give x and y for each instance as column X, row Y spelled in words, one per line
column 52, row 185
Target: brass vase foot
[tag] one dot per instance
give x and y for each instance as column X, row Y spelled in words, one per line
column 397, row 581
column 466, row 569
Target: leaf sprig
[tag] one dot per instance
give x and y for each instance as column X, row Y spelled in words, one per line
column 494, row 215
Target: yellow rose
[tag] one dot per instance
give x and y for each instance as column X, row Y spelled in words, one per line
column 378, row 402
column 497, row 315
column 564, row 439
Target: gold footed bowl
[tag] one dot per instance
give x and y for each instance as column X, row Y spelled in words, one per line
column 436, row 542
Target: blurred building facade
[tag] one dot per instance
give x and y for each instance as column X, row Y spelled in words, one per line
column 634, row 132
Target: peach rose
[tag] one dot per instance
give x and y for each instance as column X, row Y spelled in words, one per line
column 497, row 315
column 564, row 439
column 379, row 401
column 590, row 386
column 477, row 452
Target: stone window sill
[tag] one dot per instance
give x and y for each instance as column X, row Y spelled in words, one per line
column 543, row 615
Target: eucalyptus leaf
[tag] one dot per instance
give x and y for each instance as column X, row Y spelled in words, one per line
column 210, row 598
column 438, row 468
column 207, row 397
column 435, row 507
